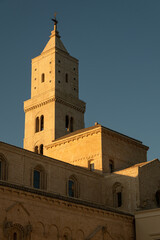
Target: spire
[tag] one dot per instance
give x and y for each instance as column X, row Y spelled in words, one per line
column 55, row 41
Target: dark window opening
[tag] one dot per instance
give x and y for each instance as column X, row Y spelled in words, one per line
column 37, row 124
column 36, row 179
column 119, row 199
column 111, row 166
column 67, row 122
column 158, row 198
column 0, row 170
column 66, row 77
column 41, row 149
column 43, row 77
column 71, row 188
column 91, row 166
column 36, row 149
column 71, row 124
column 14, row 236
column 42, row 123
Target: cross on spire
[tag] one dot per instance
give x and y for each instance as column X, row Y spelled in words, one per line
column 55, row 20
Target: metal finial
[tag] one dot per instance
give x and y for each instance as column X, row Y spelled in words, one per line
column 54, row 19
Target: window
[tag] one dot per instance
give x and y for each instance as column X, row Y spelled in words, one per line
column 66, row 77
column 37, row 124
column 14, row 236
column 119, row 199
column 0, row 170
column 117, row 194
column 73, row 187
column 41, row 149
column 111, row 166
column 3, row 168
column 42, row 123
column 36, row 179
column 42, row 77
column 71, row 124
column 91, row 165
column 36, row 149
column 39, row 177
column 158, row 198
column 67, row 123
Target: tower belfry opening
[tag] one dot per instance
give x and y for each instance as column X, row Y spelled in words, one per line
column 54, row 95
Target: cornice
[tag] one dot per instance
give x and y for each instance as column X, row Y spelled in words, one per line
column 65, row 202
column 76, row 137
column 122, row 137
column 53, row 99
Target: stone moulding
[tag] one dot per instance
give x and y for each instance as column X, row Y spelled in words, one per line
column 64, row 201
column 53, row 99
column 73, row 138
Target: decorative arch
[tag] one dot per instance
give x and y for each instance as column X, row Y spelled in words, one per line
column 79, row 234
column 53, row 232
column 73, row 189
column 3, row 167
column 117, row 194
column 67, row 234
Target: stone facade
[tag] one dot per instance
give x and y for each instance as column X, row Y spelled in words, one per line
column 71, row 182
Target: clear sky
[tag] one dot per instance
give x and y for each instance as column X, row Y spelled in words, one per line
column 117, row 43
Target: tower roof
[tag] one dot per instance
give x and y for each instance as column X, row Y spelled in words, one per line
column 55, row 41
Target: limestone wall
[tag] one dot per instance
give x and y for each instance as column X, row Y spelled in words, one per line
column 37, row 217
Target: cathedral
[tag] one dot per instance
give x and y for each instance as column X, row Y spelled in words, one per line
column 70, row 182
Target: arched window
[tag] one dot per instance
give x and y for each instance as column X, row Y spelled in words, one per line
column 42, row 77
column 36, row 179
column 3, row 167
column 111, row 166
column 14, row 236
column 36, row 149
column 117, row 194
column 42, row 123
column 37, row 124
column 71, row 124
column 41, row 149
column 66, row 77
column 73, row 187
column 67, row 123
column 39, row 180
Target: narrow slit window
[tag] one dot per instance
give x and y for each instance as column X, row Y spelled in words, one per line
column 119, row 199
column 71, row 124
column 111, row 166
column 36, row 149
column 37, row 124
column 42, row 77
column 66, row 77
column 0, row 170
column 42, row 123
column 41, row 149
column 67, row 123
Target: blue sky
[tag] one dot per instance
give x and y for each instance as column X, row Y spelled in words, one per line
column 117, row 43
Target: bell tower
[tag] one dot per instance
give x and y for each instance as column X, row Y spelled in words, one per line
column 54, row 108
